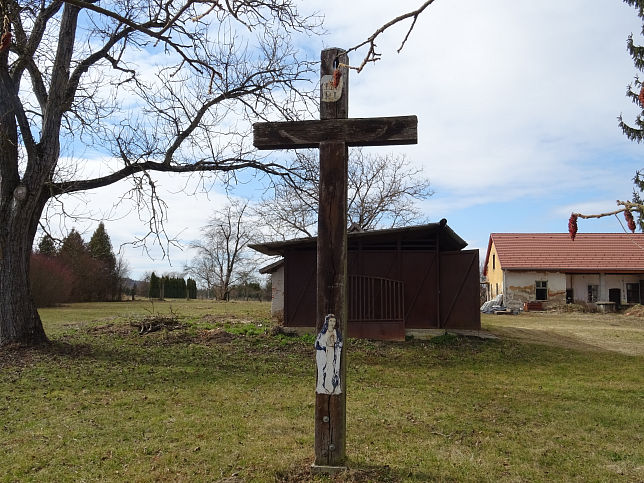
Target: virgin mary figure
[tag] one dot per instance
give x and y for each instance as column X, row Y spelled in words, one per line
column 328, row 348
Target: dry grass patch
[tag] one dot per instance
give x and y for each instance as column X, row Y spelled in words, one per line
column 578, row 331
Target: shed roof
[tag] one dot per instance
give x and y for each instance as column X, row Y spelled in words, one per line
column 589, row 252
column 271, row 267
column 448, row 240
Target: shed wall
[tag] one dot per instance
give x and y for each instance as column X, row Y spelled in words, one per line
column 277, row 295
column 455, row 306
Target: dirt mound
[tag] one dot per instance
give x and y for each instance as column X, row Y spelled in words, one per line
column 636, row 310
column 217, row 336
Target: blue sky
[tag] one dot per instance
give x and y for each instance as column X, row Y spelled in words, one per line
column 517, row 104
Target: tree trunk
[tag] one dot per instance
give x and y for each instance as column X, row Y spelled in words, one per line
column 21, row 204
column 19, row 319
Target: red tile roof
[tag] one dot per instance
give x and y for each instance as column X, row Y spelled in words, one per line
column 590, row 252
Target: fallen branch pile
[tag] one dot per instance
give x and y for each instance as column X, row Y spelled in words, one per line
column 153, row 323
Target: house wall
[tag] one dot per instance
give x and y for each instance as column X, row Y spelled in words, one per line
column 277, row 296
column 494, row 273
column 520, row 287
column 579, row 283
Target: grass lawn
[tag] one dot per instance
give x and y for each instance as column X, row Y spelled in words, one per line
column 558, row 397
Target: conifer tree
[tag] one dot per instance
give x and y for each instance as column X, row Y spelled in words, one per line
column 46, row 246
column 73, row 245
column 74, row 255
column 106, row 280
column 191, row 286
column 155, row 287
column 635, row 132
column 100, row 245
column 635, row 90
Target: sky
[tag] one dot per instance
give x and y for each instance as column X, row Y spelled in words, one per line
column 517, row 105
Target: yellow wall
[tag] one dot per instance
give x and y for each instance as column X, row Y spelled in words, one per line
column 494, row 273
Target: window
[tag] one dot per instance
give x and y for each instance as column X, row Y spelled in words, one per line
column 497, row 289
column 493, row 262
column 593, row 293
column 541, row 290
column 633, row 293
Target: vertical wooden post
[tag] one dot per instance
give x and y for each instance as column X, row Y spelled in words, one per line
column 330, row 409
column 332, row 134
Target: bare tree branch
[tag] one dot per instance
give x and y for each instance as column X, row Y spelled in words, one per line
column 372, row 55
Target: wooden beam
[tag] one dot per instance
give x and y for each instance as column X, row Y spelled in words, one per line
column 376, row 131
column 330, row 409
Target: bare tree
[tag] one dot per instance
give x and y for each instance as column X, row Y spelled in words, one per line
column 382, row 191
column 203, row 268
column 222, row 258
column 160, row 86
column 122, row 272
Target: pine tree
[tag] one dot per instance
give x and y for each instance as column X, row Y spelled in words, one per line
column 74, row 255
column 106, row 282
column 46, row 246
column 635, row 90
column 155, row 287
column 73, row 245
column 100, row 246
column 191, row 286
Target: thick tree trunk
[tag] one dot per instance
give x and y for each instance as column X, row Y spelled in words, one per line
column 19, row 319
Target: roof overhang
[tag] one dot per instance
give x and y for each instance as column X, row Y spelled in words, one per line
column 448, row 240
column 607, row 271
column 273, row 267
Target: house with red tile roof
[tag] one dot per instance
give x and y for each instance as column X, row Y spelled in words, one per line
column 604, row 268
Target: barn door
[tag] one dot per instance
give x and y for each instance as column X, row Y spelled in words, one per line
column 459, row 290
column 299, row 293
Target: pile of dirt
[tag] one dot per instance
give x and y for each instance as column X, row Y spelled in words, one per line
column 217, row 336
column 636, row 310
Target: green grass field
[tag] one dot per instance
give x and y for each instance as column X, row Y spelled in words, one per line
column 556, row 398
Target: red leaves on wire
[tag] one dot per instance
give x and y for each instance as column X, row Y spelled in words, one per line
column 629, row 219
column 572, row 226
column 336, row 77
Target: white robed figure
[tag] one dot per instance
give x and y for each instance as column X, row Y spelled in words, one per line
column 328, row 348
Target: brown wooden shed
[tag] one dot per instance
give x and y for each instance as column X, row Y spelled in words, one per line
column 400, row 280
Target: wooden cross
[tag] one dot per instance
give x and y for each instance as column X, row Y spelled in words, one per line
column 333, row 134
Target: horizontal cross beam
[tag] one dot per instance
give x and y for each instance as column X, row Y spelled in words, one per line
column 373, row 131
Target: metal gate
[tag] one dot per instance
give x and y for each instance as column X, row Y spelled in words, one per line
column 375, row 307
